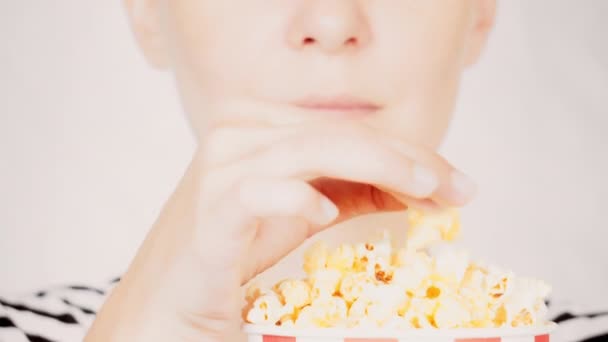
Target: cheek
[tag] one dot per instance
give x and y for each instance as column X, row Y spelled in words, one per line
column 216, row 48
column 423, row 111
column 424, row 47
column 422, row 62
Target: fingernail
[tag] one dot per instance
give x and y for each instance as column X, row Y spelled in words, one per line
column 425, row 181
column 330, row 211
column 463, row 185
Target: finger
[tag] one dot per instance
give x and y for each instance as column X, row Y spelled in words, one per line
column 244, row 128
column 347, row 156
column 354, row 199
column 227, row 143
column 277, row 238
column 286, row 198
column 456, row 188
column 279, row 214
column 240, row 211
column 428, row 205
column 427, row 170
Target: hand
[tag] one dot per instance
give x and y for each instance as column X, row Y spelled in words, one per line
column 250, row 196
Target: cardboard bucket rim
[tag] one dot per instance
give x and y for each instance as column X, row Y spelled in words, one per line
column 253, row 329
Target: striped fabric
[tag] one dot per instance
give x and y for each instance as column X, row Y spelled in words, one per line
column 63, row 314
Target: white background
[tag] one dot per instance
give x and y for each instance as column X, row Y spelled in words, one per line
column 92, row 142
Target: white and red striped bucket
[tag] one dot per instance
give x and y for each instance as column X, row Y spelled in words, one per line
column 258, row 333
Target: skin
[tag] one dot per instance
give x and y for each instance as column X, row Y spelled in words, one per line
column 307, row 113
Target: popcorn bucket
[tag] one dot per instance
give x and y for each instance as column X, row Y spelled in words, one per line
column 259, row 333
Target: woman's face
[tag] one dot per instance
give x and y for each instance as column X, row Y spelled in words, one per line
column 392, row 64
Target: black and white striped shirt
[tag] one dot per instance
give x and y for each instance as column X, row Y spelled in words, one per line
column 64, row 314
column 60, row 314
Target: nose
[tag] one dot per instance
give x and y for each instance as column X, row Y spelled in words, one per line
column 331, row 26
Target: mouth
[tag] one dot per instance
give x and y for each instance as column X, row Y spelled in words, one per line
column 339, row 106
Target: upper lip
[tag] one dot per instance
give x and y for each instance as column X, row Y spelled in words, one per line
column 338, row 104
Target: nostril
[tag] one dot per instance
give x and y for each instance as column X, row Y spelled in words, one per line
column 351, row 41
column 308, row 41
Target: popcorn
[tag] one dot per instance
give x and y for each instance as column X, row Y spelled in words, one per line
column 451, row 313
column 451, row 264
column 437, row 290
column 500, row 317
column 409, row 258
column 386, row 293
column 423, row 306
column 396, row 322
column 498, row 283
column 353, row 285
column 380, row 312
column 323, row 312
column 295, row 292
column 424, row 285
column 540, row 310
column 306, row 318
column 287, row 321
column 315, row 257
column 342, row 259
column 425, row 230
column 412, row 272
column 474, row 278
column 371, row 313
column 385, row 301
column 373, row 256
column 524, row 301
column 267, row 309
column 358, row 309
column 254, row 291
column 330, row 310
column 420, row 313
column 524, row 317
column 325, row 282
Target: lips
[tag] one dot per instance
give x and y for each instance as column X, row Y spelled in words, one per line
column 339, row 106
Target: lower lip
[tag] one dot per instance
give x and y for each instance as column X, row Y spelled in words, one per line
column 346, row 110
